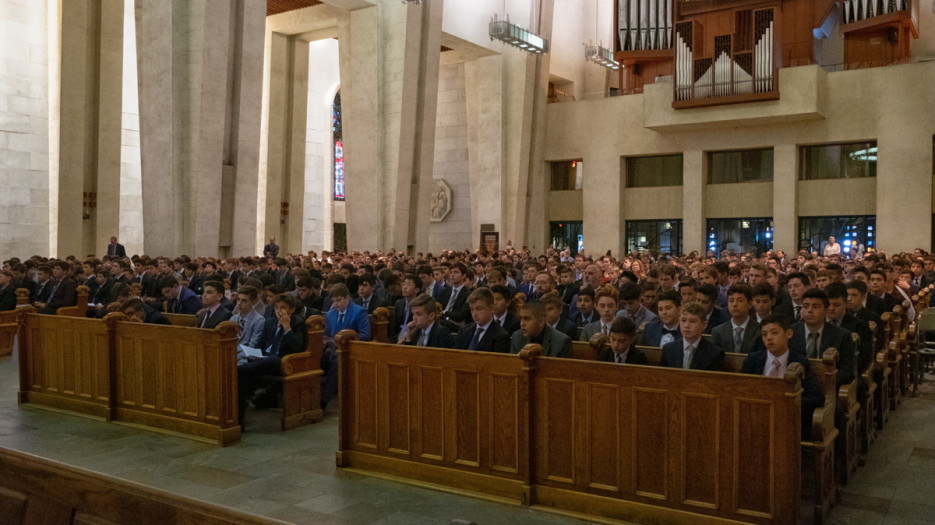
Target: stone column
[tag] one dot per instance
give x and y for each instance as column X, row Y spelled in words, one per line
column 601, row 200
column 288, row 116
column 483, row 80
column 389, row 58
column 200, row 71
column 693, row 187
column 785, row 209
column 90, row 120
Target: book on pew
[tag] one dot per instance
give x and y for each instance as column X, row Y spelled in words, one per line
column 244, row 353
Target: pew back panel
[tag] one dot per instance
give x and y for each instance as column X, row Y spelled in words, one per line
column 444, row 416
column 178, row 378
column 190, row 321
column 8, row 329
column 65, row 362
column 717, row 444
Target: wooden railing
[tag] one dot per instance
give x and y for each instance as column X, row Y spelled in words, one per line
column 668, row 445
column 81, row 307
column 36, row 491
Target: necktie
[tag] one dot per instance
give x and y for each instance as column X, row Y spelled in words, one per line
column 424, row 339
column 341, row 321
column 204, row 321
column 738, row 338
column 666, row 331
column 687, row 359
column 812, row 347
column 618, row 358
column 274, row 349
column 243, row 324
column 452, row 299
column 367, row 304
column 603, row 329
column 798, row 312
column 776, row 370
column 476, row 339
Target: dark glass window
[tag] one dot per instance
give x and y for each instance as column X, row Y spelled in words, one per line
column 566, row 175
column 657, row 170
column 567, row 234
column 753, row 235
column 838, row 161
column 657, row 236
column 854, row 232
column 747, row 165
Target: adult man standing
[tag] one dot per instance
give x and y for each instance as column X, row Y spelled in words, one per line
column 271, row 249
column 832, row 248
column 115, row 249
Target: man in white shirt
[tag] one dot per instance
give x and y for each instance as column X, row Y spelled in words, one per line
column 832, row 248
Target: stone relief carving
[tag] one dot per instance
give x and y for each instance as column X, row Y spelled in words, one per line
column 441, row 200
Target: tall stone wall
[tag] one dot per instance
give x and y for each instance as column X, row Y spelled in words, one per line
column 24, row 129
column 131, row 183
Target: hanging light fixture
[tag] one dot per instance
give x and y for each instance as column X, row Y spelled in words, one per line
column 601, row 56
column 516, row 36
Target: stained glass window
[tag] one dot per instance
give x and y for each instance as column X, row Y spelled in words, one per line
column 338, row 147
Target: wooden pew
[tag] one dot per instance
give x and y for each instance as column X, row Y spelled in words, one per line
column 379, row 325
column 81, row 307
column 38, row 491
column 894, row 358
column 22, row 296
column 8, row 329
column 166, row 377
column 301, row 381
column 589, row 437
column 185, row 320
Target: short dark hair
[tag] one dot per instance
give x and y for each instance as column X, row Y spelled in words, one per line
column 339, row 290
column 815, row 293
column 710, row 290
column 741, row 288
column 425, row 301
column 368, row 278
column 671, row 296
column 764, row 289
column 630, row 291
column 587, row 292
column 502, row 291
column 860, row 286
column 249, row 291
column 623, row 325
column 169, row 281
column 801, row 276
column 535, row 309
column 836, row 291
column 217, row 285
column 779, row 319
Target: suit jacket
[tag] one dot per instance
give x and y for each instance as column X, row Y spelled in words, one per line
column 708, row 356
column 401, row 317
column 286, row 280
column 437, row 290
column 812, row 394
column 717, row 318
column 510, row 323
column 831, row 337
column 101, row 294
column 375, row 302
column 186, row 303
column 116, row 249
column 220, row 315
column 197, row 284
column 723, row 336
column 28, row 284
column 494, row 339
column 439, row 337
column 567, row 327
column 43, row 290
column 292, row 342
column 526, row 289
column 459, row 312
column 652, row 334
column 355, row 318
column 63, row 295
column 868, row 315
column 635, row 356
column 865, row 353
column 251, row 328
column 591, row 329
column 645, row 315
column 272, row 249
column 880, row 305
column 580, row 320
column 8, row 298
column 554, row 343
column 153, row 316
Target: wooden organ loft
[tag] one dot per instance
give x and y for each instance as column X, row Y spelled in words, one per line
column 729, row 51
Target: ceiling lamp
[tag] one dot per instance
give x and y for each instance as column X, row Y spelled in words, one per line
column 516, row 36
column 600, row 55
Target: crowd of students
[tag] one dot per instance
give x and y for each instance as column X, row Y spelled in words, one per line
column 778, row 310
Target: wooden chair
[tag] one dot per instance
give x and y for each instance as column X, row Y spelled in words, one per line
column 81, row 307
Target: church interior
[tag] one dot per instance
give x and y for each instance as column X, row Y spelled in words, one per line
column 467, row 261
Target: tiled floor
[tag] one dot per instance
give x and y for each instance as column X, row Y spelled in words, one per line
column 292, row 475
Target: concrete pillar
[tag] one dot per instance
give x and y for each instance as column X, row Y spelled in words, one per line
column 389, row 58
column 785, row 209
column 693, row 187
column 288, row 116
column 90, row 120
column 483, row 80
column 602, row 197
column 200, row 68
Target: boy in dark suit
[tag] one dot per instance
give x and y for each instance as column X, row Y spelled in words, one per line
column 584, row 312
column 483, row 334
column 7, row 291
column 692, row 352
column 708, row 297
column 533, row 329
column 423, row 330
column 502, row 300
column 740, row 334
column 620, row 347
column 214, row 312
column 813, row 335
column 553, row 315
column 665, row 328
column 454, row 299
column 773, row 360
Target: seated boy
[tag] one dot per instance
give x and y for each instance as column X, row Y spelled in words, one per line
column 708, row 298
column 585, row 314
column 553, row 316
column 533, row 329
column 502, row 300
column 484, row 334
column 741, row 334
column 607, row 309
column 763, row 298
column 776, row 356
column 621, row 348
column 692, row 352
column 631, row 302
column 665, row 328
column 423, row 330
